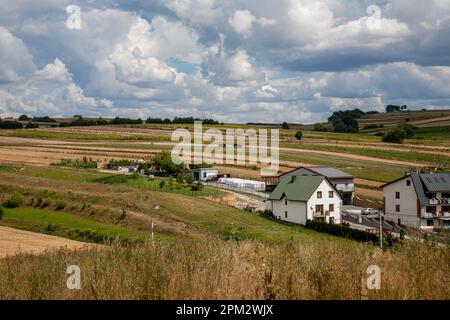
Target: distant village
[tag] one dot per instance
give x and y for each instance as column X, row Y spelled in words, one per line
column 418, row 200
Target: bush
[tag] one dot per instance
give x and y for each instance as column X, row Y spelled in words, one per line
column 196, row 186
column 285, row 126
column 1, row 213
column 343, row 231
column 45, row 203
column 10, row 125
column 14, row 201
column 60, row 205
column 299, row 135
column 231, row 233
column 162, row 184
column 379, row 134
column 394, row 136
column 320, row 127
column 372, row 126
column 31, row 125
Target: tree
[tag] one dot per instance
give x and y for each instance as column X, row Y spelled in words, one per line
column 346, row 121
column 165, row 163
column 285, row 126
column 408, row 129
column 299, row 135
column 394, row 136
column 392, row 108
column 31, row 125
column 24, row 117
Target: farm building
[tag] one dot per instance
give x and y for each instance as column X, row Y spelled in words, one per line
column 297, row 199
column 341, row 180
column 420, row 200
column 204, row 174
column 243, row 183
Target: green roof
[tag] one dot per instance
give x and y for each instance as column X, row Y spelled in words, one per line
column 297, row 188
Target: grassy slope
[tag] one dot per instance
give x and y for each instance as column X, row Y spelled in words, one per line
column 197, row 213
column 65, row 224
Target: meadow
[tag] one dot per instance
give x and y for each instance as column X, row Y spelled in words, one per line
column 209, row 269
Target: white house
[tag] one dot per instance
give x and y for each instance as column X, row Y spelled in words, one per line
column 205, row 174
column 419, row 200
column 297, row 199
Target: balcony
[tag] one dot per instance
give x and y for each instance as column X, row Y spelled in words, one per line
column 436, row 215
column 321, row 214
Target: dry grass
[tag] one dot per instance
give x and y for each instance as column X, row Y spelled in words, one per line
column 228, row 270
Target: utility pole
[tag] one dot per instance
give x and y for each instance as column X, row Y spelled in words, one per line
column 381, row 230
column 152, row 227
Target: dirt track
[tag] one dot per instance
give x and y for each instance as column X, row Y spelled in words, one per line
column 14, row 241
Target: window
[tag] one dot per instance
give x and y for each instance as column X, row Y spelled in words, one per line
column 397, row 208
column 431, row 209
column 397, row 195
column 319, row 194
column 285, row 201
column 330, row 194
column 408, row 182
column 204, row 174
column 430, row 223
column 285, row 214
column 331, row 208
column 319, row 208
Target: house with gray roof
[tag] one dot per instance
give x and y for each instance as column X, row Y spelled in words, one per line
column 342, row 181
column 297, row 199
column 420, row 200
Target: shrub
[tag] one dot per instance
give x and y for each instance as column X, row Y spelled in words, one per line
column 10, row 125
column 60, row 205
column 1, row 213
column 196, row 186
column 394, row 136
column 14, row 201
column 285, row 126
column 299, row 135
column 31, row 125
column 320, row 127
column 379, row 134
column 343, row 231
column 45, row 203
column 231, row 233
column 162, row 184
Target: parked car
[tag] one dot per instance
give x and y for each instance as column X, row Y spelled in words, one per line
column 369, row 212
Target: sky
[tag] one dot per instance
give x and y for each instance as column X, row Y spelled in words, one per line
column 234, row 61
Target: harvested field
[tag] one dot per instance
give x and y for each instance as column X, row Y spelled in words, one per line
column 14, row 241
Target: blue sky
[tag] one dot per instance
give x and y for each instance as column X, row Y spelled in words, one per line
column 235, row 61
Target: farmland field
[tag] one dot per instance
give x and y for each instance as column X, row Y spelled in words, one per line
column 71, row 203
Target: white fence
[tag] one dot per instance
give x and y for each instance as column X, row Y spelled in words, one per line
column 237, row 189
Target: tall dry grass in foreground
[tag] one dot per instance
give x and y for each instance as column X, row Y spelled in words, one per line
column 226, row 270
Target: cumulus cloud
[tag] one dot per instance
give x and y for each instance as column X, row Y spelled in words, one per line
column 241, row 60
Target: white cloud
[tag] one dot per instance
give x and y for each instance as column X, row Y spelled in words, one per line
column 242, row 22
column 15, row 59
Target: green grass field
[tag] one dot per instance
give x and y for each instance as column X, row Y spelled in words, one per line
column 358, row 168
column 38, row 134
column 68, row 225
column 383, row 154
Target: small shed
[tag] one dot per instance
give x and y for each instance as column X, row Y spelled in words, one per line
column 205, row 174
